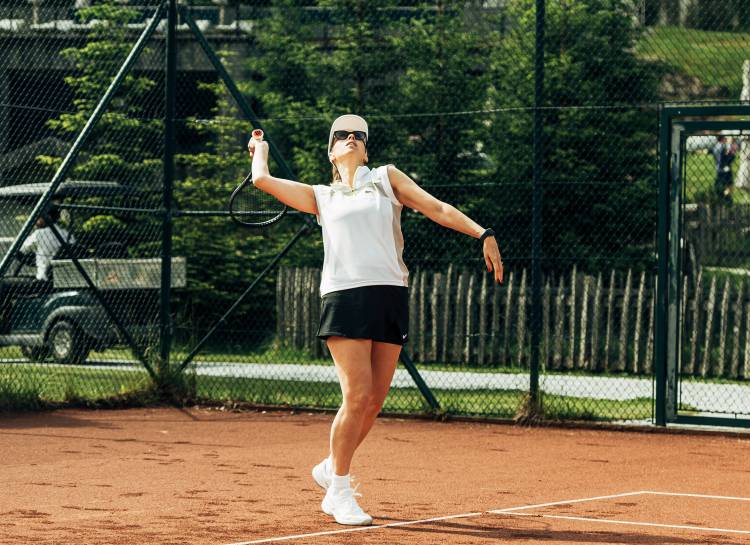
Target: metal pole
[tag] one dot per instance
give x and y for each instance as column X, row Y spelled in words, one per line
column 419, row 381
column 234, row 91
column 536, row 208
column 660, row 336
column 165, row 319
column 100, row 298
column 70, row 158
column 305, row 228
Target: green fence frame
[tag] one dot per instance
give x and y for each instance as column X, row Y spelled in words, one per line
column 675, row 125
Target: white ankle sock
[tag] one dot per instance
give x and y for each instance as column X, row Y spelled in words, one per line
column 340, row 482
column 328, row 464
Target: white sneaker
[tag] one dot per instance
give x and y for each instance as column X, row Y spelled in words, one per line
column 342, row 505
column 322, row 474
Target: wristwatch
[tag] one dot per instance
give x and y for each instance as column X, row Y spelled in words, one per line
column 487, row 233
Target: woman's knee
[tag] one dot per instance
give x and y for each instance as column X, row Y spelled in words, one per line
column 357, row 402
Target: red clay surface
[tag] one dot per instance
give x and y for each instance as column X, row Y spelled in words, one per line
column 205, row 477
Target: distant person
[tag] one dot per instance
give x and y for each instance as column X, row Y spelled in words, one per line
column 45, row 244
column 724, row 154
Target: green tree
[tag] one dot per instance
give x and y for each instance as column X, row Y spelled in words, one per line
column 126, row 144
column 447, row 89
column 416, row 73
column 310, row 64
column 600, row 133
column 225, row 258
column 442, row 82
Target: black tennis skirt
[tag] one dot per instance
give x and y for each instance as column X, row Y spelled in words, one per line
column 380, row 313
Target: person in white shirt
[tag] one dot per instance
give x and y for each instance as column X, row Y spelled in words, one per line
column 364, row 313
column 45, row 244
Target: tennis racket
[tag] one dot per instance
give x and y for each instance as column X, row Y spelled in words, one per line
column 251, row 207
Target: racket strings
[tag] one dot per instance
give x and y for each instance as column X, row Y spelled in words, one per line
column 250, row 205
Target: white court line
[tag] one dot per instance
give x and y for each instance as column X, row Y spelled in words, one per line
column 652, row 524
column 511, row 512
column 358, row 529
column 581, row 500
column 695, row 495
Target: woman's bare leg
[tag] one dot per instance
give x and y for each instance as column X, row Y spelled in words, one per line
column 353, row 366
column 384, row 359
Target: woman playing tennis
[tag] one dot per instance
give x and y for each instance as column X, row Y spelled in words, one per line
column 364, row 314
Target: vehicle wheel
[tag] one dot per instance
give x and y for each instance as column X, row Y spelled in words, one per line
column 67, row 344
column 35, row 353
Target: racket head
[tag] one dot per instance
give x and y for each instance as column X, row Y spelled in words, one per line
column 251, row 207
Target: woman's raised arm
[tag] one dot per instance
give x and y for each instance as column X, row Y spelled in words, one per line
column 295, row 194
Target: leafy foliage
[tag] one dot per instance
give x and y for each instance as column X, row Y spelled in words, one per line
column 599, row 158
column 448, row 91
column 125, row 145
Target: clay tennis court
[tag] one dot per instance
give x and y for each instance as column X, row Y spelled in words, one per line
column 203, row 477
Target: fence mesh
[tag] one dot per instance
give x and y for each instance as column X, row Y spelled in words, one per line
column 448, row 91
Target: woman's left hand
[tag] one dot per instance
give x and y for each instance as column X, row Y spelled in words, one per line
column 492, row 258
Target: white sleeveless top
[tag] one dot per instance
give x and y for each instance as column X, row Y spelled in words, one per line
column 362, row 239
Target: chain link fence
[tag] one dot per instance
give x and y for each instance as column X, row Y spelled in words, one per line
column 448, row 91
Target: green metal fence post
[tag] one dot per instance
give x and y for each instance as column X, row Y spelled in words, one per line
column 419, row 381
column 197, row 348
column 234, row 91
column 660, row 335
column 165, row 321
column 536, row 213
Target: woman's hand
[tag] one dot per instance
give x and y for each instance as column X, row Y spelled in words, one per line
column 258, row 148
column 492, row 258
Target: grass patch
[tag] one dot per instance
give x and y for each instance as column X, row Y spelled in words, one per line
column 33, row 387
column 27, row 387
column 700, row 174
column 19, row 394
column 583, row 408
column 480, row 402
column 713, row 57
column 10, row 352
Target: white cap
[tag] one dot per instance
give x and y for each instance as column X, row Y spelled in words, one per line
column 348, row 122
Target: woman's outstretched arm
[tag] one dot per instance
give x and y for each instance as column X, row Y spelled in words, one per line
column 411, row 195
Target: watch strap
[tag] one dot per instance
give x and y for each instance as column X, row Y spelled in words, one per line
column 487, row 233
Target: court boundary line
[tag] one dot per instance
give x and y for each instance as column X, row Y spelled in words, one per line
column 513, row 511
column 564, row 502
column 356, row 529
column 708, row 496
column 632, row 523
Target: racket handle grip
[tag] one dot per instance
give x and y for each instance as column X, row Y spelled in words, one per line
column 257, row 136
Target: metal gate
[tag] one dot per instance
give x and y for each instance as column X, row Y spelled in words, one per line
column 703, row 321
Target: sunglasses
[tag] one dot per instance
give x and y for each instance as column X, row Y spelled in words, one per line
column 343, row 135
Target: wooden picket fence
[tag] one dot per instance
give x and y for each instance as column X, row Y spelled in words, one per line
column 597, row 323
